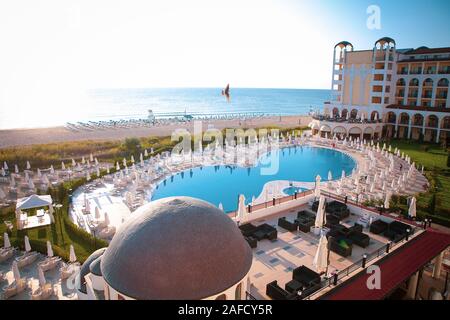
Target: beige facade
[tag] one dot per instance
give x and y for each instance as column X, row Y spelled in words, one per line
column 403, row 91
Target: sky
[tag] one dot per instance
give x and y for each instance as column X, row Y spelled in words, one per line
column 53, row 49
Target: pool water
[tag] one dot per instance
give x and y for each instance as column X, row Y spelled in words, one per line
column 223, row 184
column 291, row 190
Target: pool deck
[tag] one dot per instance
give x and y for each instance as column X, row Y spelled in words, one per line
column 275, row 260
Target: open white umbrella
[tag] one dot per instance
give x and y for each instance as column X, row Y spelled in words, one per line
column 72, row 256
column 63, row 166
column 28, row 165
column 96, row 161
column 42, row 280
column 27, row 244
column 241, row 208
column 146, row 153
column 49, row 249
column 6, row 242
column 73, row 163
column 39, row 174
column 117, row 166
column 320, row 216
column 321, row 258
column 16, row 169
column 107, row 169
column 15, row 270
column 5, row 165
column 52, row 170
column 83, row 161
column 330, row 176
column 132, row 159
column 221, row 206
column 88, row 176
column 98, row 172
column 3, row 172
column 412, row 208
column 124, row 162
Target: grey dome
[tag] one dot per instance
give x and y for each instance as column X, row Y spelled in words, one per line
column 85, row 268
column 176, row 248
column 94, row 267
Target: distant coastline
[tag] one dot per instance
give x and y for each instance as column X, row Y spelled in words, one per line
column 60, row 134
column 126, row 104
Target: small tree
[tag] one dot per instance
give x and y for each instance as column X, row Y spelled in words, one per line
column 132, row 145
column 432, row 204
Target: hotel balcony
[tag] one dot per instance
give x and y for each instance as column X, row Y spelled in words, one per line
column 413, row 95
column 430, row 71
column 402, row 71
column 444, row 70
column 416, row 71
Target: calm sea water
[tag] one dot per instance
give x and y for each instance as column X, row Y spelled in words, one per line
column 223, row 184
column 113, row 104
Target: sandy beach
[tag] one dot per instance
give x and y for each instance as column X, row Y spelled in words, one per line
column 22, row 137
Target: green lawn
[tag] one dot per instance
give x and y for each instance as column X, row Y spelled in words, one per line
column 434, row 158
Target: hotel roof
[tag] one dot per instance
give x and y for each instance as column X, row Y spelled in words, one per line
column 395, row 268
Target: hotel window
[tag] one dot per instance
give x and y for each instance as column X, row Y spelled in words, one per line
column 238, row 292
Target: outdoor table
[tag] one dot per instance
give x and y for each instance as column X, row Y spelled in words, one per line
column 293, row 286
column 40, row 213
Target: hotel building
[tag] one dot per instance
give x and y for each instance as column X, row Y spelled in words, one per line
column 387, row 92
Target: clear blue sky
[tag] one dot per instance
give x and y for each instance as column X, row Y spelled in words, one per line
column 411, row 23
column 55, row 49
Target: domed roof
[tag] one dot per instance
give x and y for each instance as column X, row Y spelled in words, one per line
column 94, row 267
column 385, row 40
column 343, row 44
column 85, row 268
column 176, row 248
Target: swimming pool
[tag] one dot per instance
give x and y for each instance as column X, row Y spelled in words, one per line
column 223, row 184
column 292, row 190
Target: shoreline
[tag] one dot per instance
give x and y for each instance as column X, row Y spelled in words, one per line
column 25, row 137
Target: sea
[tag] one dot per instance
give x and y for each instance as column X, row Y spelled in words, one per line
column 116, row 104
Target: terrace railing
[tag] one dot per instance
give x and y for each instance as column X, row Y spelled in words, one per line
column 356, row 266
column 274, row 202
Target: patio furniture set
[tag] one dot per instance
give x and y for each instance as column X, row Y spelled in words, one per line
column 253, row 234
column 304, row 282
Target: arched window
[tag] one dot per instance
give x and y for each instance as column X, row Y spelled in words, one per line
column 238, row 292
column 401, row 82
column 443, row 83
column 414, row 83
column 428, row 82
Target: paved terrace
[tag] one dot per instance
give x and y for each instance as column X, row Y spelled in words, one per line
column 275, row 260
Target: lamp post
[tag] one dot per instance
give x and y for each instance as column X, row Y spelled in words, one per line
column 364, row 260
column 58, row 208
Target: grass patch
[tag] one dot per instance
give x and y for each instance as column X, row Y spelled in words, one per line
column 434, row 159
